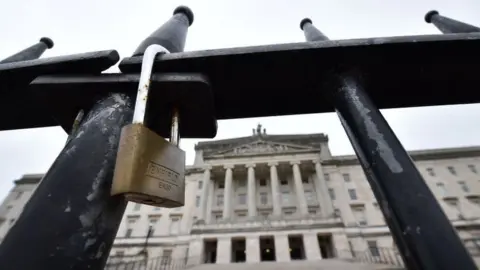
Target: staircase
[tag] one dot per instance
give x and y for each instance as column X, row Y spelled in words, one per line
column 326, row 264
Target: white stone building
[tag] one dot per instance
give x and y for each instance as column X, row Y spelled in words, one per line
column 279, row 198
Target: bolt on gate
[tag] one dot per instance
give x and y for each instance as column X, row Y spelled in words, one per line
column 184, row 94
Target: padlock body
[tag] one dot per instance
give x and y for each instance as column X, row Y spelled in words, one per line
column 149, row 170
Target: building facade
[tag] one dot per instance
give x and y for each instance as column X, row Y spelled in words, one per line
column 278, row 198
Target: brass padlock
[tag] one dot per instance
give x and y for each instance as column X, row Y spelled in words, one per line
column 149, row 169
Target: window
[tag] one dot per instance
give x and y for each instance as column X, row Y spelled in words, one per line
column 265, row 215
column 8, row 208
column 309, row 196
column 285, row 197
column 304, row 180
column 218, row 217
column 373, row 248
column 197, row 201
column 430, row 171
column 336, row 212
column 156, row 208
column 18, row 195
column 288, row 213
column 331, row 192
column 166, row 258
column 136, row 207
column 312, row 212
column 283, row 182
column 128, row 233
column 263, row 182
column 441, row 188
column 167, row 253
column 326, row 176
column 263, row 198
column 475, row 201
column 452, row 170
column 346, row 177
column 219, row 200
column 242, row 199
column 200, row 184
column 353, row 194
column 119, row 253
column 464, row 186
column 221, row 185
column 452, row 203
column 241, row 216
column 131, row 220
column 359, row 213
column 472, row 168
column 174, row 225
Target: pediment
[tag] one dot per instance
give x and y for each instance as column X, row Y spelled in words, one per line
column 262, row 147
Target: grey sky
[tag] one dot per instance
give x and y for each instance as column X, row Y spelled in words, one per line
column 88, row 25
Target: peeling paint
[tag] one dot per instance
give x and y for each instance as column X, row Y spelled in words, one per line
column 79, row 134
column 119, row 99
column 374, row 134
column 71, row 150
column 89, row 243
column 100, row 251
column 87, row 219
column 418, row 230
column 68, row 208
column 107, row 112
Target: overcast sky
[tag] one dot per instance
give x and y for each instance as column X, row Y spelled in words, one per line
column 89, row 25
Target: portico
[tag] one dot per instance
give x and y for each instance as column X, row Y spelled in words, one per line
column 265, row 190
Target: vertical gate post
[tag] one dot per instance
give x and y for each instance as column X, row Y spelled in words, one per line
column 447, row 25
column 420, row 228
column 30, row 53
column 71, row 221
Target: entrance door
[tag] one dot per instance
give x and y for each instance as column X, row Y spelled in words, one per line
column 210, row 255
column 267, row 249
column 326, row 246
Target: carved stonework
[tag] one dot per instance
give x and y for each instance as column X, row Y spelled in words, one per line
column 262, row 148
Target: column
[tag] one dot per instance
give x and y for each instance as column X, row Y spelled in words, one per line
column 189, row 207
column 224, row 250
column 326, row 204
column 252, row 194
column 300, row 193
column 312, row 249
column 253, row 249
column 282, row 248
column 342, row 201
column 211, row 197
column 227, row 192
column 204, row 195
column 276, row 202
column 195, row 251
column 341, row 246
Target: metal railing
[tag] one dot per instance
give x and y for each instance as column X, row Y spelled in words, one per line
column 157, row 263
column 380, row 255
column 473, row 246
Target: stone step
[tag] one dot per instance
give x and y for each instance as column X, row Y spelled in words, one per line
column 326, row 264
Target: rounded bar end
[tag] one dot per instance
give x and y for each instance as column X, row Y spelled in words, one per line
column 304, row 21
column 429, row 15
column 47, row 41
column 186, row 11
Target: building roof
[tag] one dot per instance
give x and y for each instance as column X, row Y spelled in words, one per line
column 419, row 155
column 313, row 140
column 29, row 179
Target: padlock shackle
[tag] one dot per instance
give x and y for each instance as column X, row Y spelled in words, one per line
column 144, row 83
